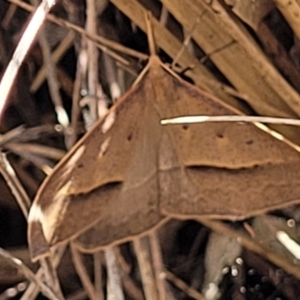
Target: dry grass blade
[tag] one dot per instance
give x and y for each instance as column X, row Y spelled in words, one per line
column 141, row 249
column 55, row 57
column 249, row 119
column 35, row 149
column 28, row 274
column 21, row 51
column 183, row 286
column 79, row 265
column 13, row 182
column 96, row 38
column 114, row 281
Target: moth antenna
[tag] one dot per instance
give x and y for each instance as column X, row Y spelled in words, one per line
column 150, row 34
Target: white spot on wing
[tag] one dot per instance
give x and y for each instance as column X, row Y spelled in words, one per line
column 54, row 211
column 35, row 213
column 104, row 147
column 109, row 121
column 49, row 217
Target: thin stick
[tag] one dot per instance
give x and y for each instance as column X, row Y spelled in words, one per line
column 81, row 271
column 234, row 118
column 50, row 276
column 53, row 84
column 98, row 275
column 183, row 286
column 14, row 184
column 21, row 51
column 104, row 41
column 148, row 280
column 185, row 44
column 158, row 266
column 114, row 280
column 55, row 57
column 28, row 274
column 33, row 290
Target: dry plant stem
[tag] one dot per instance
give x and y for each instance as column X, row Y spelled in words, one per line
column 36, row 149
column 251, row 245
column 114, row 280
column 114, row 88
column 92, row 52
column 200, row 75
column 76, row 98
column 11, row 134
column 51, row 276
column 92, row 63
column 142, row 252
column 103, row 41
column 61, row 113
column 21, row 51
column 158, row 266
column 131, row 289
column 29, row 274
column 33, row 289
column 24, row 202
column 171, row 45
column 183, row 286
column 56, row 56
column 14, row 184
column 8, row 15
column 230, row 118
column 81, row 271
column 98, row 275
column 291, row 11
column 271, row 75
column 186, row 44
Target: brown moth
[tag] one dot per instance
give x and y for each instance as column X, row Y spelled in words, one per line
column 129, row 174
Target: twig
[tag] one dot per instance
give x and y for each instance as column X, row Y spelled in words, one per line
column 183, row 286
column 234, row 118
column 148, row 280
column 21, row 51
column 99, row 39
column 14, row 184
column 98, row 275
column 114, row 281
column 51, row 276
column 158, row 266
column 55, row 57
column 81, row 271
column 33, row 290
column 28, row 274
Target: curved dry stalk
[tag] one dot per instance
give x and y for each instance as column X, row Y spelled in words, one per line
column 21, row 51
column 29, row 274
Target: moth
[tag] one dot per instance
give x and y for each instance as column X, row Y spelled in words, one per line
column 130, row 174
